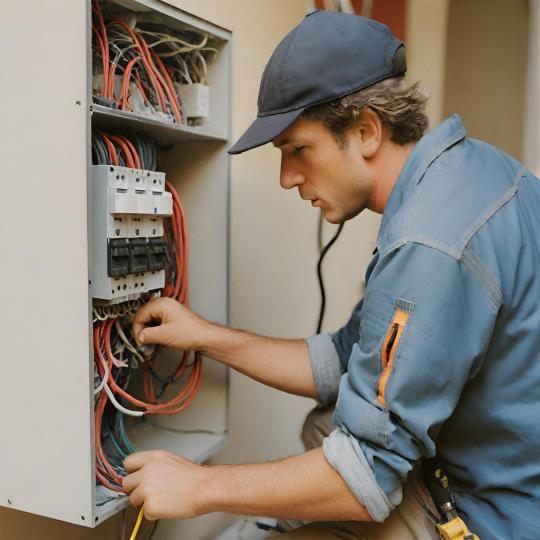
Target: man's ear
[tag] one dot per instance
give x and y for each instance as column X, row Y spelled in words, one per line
column 369, row 130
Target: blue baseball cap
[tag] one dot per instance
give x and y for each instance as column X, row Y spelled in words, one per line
column 327, row 56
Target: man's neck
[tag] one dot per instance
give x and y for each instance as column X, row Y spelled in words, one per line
column 387, row 166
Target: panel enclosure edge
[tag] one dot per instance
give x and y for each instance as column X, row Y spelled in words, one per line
column 46, row 411
column 202, row 180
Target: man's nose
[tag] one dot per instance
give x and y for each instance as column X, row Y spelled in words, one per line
column 290, row 176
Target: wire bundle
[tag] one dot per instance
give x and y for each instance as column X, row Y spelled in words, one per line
column 117, row 358
column 149, row 59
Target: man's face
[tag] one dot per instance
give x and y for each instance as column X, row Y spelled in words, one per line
column 334, row 178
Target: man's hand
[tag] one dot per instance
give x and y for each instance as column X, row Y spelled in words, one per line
column 165, row 321
column 281, row 363
column 301, row 487
column 169, row 486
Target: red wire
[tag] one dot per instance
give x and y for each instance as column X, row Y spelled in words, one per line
column 103, row 58
column 105, row 472
column 125, row 82
column 130, row 162
column 134, row 153
column 146, row 62
column 113, row 156
column 140, row 87
column 97, row 9
column 173, row 98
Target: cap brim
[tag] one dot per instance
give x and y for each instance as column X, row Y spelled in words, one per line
column 264, row 129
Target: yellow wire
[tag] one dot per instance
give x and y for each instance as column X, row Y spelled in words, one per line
column 137, row 524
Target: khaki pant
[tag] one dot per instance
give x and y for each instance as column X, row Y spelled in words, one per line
column 409, row 521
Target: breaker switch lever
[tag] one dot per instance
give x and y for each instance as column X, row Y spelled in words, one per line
column 117, row 257
column 156, row 254
column 138, row 256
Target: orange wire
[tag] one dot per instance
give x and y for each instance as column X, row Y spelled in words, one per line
column 172, row 92
column 125, row 148
column 146, row 62
column 97, row 9
column 113, row 156
column 125, row 82
column 103, row 59
column 134, row 153
column 105, row 472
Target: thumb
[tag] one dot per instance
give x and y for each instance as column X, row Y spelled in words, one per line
column 155, row 335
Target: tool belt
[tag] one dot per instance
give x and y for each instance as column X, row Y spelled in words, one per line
column 451, row 526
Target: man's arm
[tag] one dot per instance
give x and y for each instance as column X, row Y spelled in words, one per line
column 280, row 363
column 302, row 487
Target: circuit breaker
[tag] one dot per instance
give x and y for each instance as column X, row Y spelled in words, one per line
column 128, row 250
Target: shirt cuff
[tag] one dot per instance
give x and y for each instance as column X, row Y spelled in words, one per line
column 344, row 454
column 326, row 367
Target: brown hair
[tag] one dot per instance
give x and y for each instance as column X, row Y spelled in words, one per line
column 399, row 105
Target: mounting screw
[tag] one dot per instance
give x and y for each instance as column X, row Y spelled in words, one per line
column 82, row 517
column 10, row 501
column 78, row 103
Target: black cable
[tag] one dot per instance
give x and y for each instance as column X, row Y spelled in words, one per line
column 99, row 150
column 320, row 276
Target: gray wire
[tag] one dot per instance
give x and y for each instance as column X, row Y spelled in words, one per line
column 101, row 150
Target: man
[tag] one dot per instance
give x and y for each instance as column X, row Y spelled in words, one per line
column 441, row 356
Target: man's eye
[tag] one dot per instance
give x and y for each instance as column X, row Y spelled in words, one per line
column 297, row 150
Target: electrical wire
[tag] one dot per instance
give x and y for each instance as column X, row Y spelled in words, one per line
column 137, row 524
column 116, row 354
column 149, row 59
column 320, row 278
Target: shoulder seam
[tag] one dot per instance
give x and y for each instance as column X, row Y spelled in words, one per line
column 468, row 258
column 484, row 218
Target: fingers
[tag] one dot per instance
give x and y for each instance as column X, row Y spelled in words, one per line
column 153, row 310
column 136, row 498
column 136, row 461
column 155, row 335
column 147, row 314
column 131, row 481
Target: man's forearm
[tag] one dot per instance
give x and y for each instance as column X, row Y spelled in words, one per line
column 280, row 363
column 302, row 487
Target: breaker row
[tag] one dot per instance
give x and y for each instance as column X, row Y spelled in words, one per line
column 135, row 255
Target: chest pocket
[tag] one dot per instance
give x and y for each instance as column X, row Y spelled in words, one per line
column 389, row 346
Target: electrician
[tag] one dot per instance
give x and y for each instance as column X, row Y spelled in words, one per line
column 441, row 357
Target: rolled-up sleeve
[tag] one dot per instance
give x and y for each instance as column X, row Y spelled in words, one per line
column 329, row 355
column 425, row 327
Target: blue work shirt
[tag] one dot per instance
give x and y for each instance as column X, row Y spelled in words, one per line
column 442, row 356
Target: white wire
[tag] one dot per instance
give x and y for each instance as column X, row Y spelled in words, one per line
column 166, row 38
column 117, row 405
column 105, row 377
column 128, row 344
column 110, row 394
column 202, row 63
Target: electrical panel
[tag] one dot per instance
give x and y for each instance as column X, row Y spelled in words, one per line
column 133, row 134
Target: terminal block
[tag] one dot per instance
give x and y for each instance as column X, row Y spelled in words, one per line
column 128, row 250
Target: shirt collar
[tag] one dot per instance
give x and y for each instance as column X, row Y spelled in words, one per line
column 424, row 153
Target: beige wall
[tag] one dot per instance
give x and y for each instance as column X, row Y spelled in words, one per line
column 273, row 250
column 486, row 69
